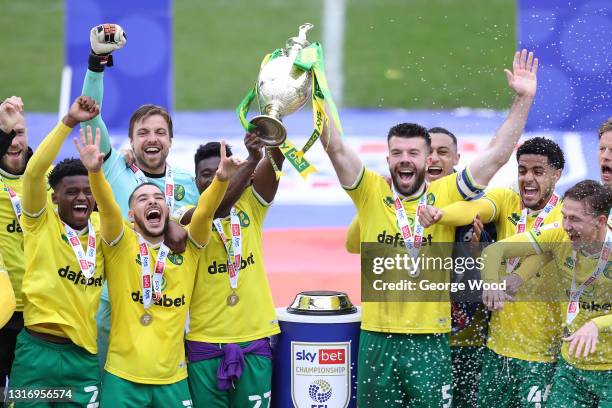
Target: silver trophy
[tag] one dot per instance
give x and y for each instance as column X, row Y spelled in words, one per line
column 282, row 89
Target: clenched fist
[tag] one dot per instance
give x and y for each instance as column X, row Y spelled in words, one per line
column 107, row 38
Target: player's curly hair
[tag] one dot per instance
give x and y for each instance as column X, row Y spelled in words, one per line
column 598, row 196
column 409, row 130
column 67, row 167
column 210, row 149
column 543, row 147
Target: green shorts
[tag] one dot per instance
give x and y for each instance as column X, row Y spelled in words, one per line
column 507, row 382
column 120, row 393
column 42, row 364
column 573, row 388
column 403, row 370
column 254, row 385
column 467, row 364
column 103, row 323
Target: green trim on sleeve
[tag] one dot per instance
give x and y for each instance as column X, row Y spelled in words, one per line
column 357, row 182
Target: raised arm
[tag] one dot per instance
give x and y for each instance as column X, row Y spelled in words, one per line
column 523, row 81
column 265, row 182
column 346, row 163
column 11, row 112
column 34, row 186
column 201, row 221
column 104, row 39
column 111, row 222
column 243, row 177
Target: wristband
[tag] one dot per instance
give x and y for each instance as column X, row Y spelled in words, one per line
column 97, row 63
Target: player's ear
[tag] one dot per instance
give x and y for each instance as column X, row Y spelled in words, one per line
column 131, row 215
column 54, row 197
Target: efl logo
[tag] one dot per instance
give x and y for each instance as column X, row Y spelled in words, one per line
column 332, row 356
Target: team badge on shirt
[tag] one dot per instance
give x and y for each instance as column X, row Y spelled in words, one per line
column 431, row 199
column 245, row 221
column 179, row 192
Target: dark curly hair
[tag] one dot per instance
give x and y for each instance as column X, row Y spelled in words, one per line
column 210, row 149
column 543, row 147
column 65, row 168
column 409, row 130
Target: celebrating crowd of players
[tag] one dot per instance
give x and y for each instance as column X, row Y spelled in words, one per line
column 106, row 258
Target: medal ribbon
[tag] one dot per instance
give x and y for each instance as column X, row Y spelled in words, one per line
column 233, row 247
column 15, row 200
column 145, row 268
column 573, row 307
column 86, row 260
column 412, row 240
column 521, row 226
column 169, row 186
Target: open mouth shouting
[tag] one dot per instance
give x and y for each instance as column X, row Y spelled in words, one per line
column 80, row 210
column 434, row 171
column 152, row 151
column 153, row 216
column 606, row 173
column 530, row 193
column 405, row 175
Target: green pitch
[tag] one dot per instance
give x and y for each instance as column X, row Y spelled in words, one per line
column 414, row 54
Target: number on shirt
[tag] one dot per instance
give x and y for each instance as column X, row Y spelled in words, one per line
column 257, row 398
column 93, row 401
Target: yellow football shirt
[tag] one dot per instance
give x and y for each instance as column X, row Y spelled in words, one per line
column 471, row 336
column 523, row 329
column 152, row 354
column 212, row 320
column 596, row 301
column 373, row 199
column 11, row 235
column 7, row 296
column 57, row 298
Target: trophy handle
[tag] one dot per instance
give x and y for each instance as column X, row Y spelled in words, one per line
column 272, row 131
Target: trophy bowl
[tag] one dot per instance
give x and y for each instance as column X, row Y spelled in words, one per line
column 282, row 88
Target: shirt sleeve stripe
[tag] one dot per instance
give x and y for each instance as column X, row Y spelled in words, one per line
column 357, row 182
column 466, row 186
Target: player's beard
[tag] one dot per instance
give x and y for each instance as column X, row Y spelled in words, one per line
column 150, row 165
column 142, row 226
column 419, row 179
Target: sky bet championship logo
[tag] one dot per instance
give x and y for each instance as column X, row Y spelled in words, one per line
column 330, row 365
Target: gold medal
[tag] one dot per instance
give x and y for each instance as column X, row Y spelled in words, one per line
column 146, row 319
column 233, row 299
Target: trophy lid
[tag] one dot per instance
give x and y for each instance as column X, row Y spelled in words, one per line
column 321, row 302
column 300, row 41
